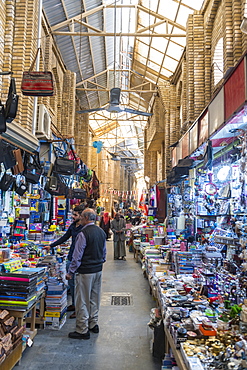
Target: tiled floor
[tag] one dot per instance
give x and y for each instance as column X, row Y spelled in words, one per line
column 124, row 340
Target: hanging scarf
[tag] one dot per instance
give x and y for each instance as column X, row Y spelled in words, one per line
column 106, row 217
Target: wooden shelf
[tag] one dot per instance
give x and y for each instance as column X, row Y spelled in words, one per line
column 12, row 358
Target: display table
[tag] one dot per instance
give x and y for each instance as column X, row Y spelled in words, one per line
column 169, row 343
column 20, row 315
column 12, row 359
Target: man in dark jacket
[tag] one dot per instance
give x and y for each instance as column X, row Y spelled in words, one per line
column 87, row 263
column 72, row 231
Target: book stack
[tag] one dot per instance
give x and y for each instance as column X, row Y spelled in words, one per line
column 56, row 304
column 21, row 288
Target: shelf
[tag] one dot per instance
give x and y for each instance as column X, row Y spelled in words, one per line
column 12, row 358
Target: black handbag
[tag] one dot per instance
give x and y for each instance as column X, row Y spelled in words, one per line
column 32, row 170
column 64, row 166
column 9, row 160
column 21, row 189
column 78, row 194
column 11, row 102
column 3, row 126
column 6, row 181
column 60, row 189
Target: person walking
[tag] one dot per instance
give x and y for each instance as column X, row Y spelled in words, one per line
column 105, row 224
column 72, row 232
column 87, row 264
column 118, row 227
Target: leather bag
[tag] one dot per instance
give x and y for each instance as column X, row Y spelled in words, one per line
column 64, row 166
column 37, row 83
column 19, row 167
column 32, row 168
column 77, row 194
column 3, row 126
column 6, row 181
column 9, row 160
column 21, row 189
column 11, row 105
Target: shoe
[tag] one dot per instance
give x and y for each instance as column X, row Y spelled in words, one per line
column 71, row 308
column 75, row 335
column 95, row 329
column 72, row 316
column 123, row 258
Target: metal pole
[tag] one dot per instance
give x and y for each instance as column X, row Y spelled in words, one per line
column 35, row 100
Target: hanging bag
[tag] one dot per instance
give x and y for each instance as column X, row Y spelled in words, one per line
column 37, row 83
column 9, row 160
column 21, row 189
column 77, row 193
column 32, row 168
column 19, row 167
column 64, row 166
column 11, row 105
column 6, row 181
column 3, row 126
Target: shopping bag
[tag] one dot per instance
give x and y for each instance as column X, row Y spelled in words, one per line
column 37, row 83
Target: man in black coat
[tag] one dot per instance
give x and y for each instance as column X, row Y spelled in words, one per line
column 72, row 231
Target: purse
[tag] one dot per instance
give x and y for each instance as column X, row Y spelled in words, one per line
column 11, row 104
column 64, row 166
column 21, row 189
column 9, row 160
column 3, row 126
column 37, row 83
column 19, row 167
column 6, row 181
column 32, row 170
column 78, row 194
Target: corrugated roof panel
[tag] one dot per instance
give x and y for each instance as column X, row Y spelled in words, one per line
column 74, row 7
column 54, row 11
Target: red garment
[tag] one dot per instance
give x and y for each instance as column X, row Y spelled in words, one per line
column 106, row 217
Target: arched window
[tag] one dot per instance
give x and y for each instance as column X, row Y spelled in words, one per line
column 218, row 63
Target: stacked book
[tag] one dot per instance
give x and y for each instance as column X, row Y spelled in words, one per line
column 20, row 289
column 56, row 304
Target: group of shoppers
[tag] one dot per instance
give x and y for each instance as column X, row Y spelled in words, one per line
column 84, row 266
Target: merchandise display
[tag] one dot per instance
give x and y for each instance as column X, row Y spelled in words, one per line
column 201, row 299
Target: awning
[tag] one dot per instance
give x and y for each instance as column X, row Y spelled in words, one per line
column 20, row 137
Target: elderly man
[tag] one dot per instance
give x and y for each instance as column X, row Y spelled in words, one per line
column 87, row 263
column 118, row 227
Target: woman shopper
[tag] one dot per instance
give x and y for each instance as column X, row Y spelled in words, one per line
column 118, row 227
column 105, row 224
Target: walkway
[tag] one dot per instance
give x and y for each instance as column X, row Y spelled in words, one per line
column 124, row 340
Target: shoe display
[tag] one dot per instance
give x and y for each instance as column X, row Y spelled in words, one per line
column 95, row 329
column 71, row 308
column 72, row 316
column 75, row 335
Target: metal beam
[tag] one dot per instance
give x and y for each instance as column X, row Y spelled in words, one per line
column 156, row 15
column 124, row 90
column 118, row 34
column 77, row 18
column 88, row 26
column 151, row 26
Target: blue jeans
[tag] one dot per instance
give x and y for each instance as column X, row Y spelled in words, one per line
column 71, row 283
